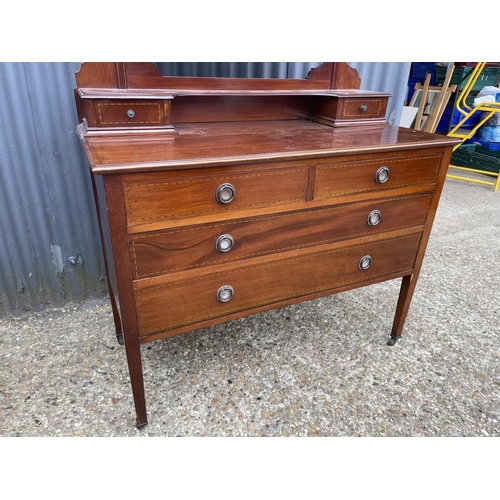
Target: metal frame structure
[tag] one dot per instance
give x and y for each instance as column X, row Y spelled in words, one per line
column 490, row 108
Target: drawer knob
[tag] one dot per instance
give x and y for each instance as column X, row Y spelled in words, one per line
column 225, row 293
column 382, row 175
column 130, row 113
column 225, row 193
column 373, row 218
column 365, row 262
column 363, row 108
column 224, row 243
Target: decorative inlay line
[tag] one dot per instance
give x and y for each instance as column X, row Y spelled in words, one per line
column 364, row 101
column 215, row 179
column 129, row 104
column 322, row 168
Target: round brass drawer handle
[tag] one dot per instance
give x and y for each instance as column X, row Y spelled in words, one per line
column 130, row 113
column 225, row 293
column 224, row 243
column 374, row 218
column 363, row 108
column 365, row 262
column 225, row 193
column 382, row 175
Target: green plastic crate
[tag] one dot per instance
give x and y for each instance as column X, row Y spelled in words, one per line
column 476, row 157
column 487, row 77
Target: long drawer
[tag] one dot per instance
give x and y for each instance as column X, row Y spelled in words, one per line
column 196, row 246
column 180, row 302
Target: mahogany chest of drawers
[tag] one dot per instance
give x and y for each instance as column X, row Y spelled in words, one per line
column 219, row 198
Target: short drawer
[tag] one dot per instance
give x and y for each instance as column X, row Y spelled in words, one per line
column 197, row 246
column 129, row 113
column 363, row 108
column 335, row 179
column 170, row 199
column 184, row 302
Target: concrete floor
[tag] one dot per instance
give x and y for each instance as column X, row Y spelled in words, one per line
column 321, row 368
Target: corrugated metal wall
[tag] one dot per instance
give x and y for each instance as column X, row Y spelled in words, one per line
column 47, row 213
column 49, row 238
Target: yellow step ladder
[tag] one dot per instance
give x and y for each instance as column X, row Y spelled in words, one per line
column 489, row 109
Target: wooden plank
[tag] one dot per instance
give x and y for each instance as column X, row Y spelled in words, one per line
column 437, row 111
column 423, row 99
column 440, row 112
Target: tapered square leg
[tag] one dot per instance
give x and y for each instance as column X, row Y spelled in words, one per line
column 137, row 381
column 405, row 295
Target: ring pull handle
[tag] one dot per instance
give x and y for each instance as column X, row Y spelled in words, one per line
column 365, row 262
column 224, row 243
column 374, row 218
column 382, row 175
column 130, row 113
column 225, row 193
column 363, row 108
column 225, row 293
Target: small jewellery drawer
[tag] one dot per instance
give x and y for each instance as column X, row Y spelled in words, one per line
column 170, row 199
column 191, row 247
column 364, row 108
column 179, row 302
column 129, row 113
column 335, row 179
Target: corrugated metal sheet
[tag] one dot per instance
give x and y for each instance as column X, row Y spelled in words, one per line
column 46, row 206
column 47, row 214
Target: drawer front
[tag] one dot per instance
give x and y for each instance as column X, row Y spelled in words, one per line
column 336, row 179
column 185, row 302
column 164, row 199
column 364, row 108
column 129, row 113
column 197, row 246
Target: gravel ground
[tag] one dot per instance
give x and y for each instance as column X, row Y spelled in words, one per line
column 320, row 368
